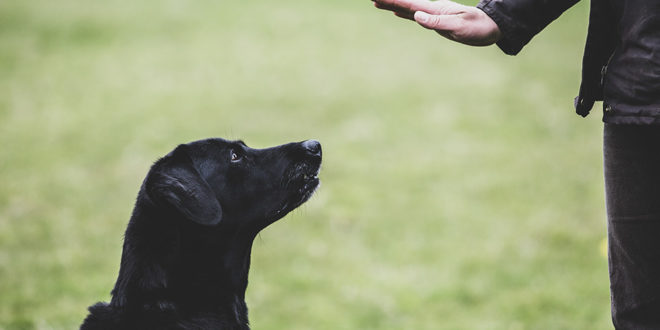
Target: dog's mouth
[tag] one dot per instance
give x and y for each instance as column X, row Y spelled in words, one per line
column 310, row 184
column 301, row 182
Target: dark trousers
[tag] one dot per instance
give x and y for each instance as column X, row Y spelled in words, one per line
column 632, row 187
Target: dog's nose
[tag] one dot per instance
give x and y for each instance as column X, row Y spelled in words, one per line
column 313, row 147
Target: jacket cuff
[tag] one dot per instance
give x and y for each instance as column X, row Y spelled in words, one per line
column 513, row 37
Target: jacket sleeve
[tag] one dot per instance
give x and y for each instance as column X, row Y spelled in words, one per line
column 520, row 20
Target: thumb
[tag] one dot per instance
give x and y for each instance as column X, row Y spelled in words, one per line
column 436, row 22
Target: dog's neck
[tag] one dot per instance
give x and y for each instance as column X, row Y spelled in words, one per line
column 175, row 264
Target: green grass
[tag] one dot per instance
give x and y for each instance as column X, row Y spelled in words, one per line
column 460, row 191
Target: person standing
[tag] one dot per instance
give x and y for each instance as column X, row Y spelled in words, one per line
column 621, row 67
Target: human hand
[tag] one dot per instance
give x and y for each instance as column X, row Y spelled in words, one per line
column 464, row 24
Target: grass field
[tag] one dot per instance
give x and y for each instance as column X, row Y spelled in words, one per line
column 460, row 191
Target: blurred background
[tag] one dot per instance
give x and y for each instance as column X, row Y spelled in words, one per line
column 460, row 190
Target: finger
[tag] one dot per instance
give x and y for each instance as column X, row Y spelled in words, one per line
column 408, row 5
column 397, row 11
column 406, row 15
column 391, row 8
column 444, row 23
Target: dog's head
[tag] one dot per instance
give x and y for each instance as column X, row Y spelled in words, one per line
column 216, row 182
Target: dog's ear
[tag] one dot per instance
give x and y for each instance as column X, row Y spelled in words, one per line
column 174, row 182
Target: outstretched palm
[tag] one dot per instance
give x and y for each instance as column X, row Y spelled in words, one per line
column 454, row 21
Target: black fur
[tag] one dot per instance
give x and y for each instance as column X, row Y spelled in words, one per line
column 187, row 246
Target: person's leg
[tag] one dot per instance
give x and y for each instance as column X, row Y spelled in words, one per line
column 632, row 187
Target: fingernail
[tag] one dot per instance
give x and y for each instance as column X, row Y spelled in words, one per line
column 421, row 16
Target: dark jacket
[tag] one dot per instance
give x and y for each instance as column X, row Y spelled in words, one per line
column 621, row 63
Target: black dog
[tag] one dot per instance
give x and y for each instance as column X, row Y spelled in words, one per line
column 187, row 246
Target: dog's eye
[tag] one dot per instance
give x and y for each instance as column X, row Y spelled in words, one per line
column 235, row 157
